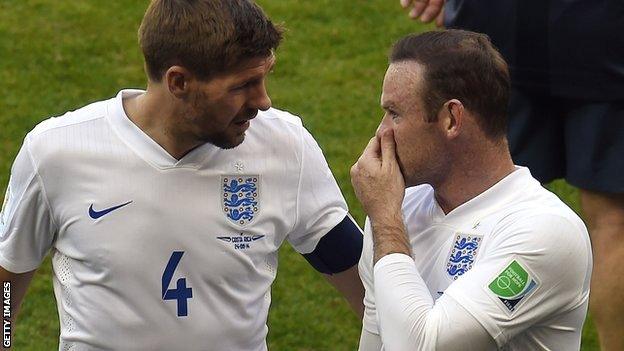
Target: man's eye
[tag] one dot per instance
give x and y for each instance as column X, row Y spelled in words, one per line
column 242, row 86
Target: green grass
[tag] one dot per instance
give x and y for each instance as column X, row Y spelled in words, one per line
column 60, row 55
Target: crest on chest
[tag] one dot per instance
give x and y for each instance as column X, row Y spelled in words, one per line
column 240, row 198
column 462, row 254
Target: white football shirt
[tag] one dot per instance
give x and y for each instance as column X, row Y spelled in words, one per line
column 154, row 253
column 515, row 258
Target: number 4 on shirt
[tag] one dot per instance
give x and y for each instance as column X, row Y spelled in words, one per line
column 181, row 293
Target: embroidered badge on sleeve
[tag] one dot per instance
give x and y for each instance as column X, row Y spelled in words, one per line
column 513, row 285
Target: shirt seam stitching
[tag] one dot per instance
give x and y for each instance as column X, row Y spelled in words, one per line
column 43, row 190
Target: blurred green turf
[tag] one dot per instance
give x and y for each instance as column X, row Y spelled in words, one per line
column 60, row 55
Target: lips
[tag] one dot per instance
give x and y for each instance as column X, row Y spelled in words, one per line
column 243, row 123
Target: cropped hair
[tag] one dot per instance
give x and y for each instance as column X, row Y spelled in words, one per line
column 207, row 37
column 461, row 65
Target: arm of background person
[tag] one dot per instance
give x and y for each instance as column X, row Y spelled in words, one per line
column 426, row 10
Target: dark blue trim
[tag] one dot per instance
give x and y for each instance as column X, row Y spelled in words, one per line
column 339, row 249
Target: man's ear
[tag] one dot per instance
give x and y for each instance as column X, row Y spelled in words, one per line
column 451, row 118
column 178, row 80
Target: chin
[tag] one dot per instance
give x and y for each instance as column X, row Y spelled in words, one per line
column 229, row 143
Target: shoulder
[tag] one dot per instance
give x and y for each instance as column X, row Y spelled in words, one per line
column 70, row 119
column 50, row 127
column 283, row 132
column 275, row 116
column 278, row 128
column 56, row 134
column 549, row 236
column 540, row 210
column 274, row 123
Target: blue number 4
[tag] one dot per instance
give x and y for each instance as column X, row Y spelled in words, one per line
column 181, row 293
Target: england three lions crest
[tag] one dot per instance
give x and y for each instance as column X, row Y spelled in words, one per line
column 463, row 253
column 239, row 200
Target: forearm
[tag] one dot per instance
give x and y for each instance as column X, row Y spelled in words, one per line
column 389, row 236
column 14, row 286
column 409, row 319
column 348, row 283
column 17, row 285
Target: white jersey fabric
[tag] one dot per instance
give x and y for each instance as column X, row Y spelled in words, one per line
column 514, row 258
column 154, row 253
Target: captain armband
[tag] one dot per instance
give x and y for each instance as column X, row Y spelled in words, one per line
column 339, row 249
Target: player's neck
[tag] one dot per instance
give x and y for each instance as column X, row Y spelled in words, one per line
column 152, row 112
column 471, row 176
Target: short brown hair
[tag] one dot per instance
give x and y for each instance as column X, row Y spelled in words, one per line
column 460, row 65
column 205, row 36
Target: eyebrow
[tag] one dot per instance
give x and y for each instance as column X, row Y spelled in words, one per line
column 388, row 106
column 257, row 76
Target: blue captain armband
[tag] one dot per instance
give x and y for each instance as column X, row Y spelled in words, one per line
column 339, row 249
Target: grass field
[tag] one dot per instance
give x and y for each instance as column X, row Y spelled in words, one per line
column 60, row 55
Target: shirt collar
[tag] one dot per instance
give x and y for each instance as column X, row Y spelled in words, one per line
column 505, row 191
column 142, row 144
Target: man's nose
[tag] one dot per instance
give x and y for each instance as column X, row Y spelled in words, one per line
column 261, row 99
column 383, row 125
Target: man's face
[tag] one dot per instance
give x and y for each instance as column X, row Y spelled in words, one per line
column 220, row 109
column 419, row 144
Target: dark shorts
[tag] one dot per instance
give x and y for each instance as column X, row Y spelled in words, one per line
column 581, row 141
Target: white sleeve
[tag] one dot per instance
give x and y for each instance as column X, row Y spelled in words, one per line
column 409, row 319
column 365, row 269
column 320, row 204
column 536, row 268
column 533, row 268
column 26, row 227
column 369, row 341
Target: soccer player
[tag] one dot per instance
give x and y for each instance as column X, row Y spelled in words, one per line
column 566, row 115
column 164, row 209
column 474, row 254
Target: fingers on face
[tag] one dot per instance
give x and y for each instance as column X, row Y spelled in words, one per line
column 373, row 148
column 371, row 151
column 388, row 146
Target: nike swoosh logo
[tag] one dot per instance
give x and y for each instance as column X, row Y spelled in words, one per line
column 97, row 214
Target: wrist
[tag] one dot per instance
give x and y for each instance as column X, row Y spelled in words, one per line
column 388, row 219
column 389, row 236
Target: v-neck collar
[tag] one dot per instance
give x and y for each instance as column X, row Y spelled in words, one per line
column 500, row 194
column 143, row 145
